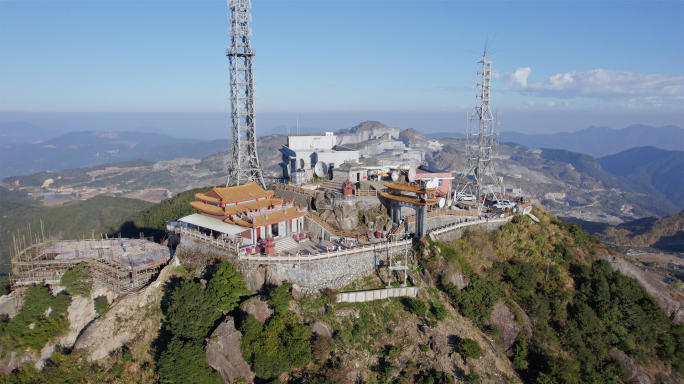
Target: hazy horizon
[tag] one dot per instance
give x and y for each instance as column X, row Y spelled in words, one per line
column 211, row 126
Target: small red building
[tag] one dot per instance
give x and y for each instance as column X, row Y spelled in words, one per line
column 425, row 173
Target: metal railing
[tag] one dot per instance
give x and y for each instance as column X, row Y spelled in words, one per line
column 381, row 247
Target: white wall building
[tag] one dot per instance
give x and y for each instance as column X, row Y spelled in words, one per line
column 302, row 152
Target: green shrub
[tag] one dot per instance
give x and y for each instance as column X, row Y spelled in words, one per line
column 101, row 306
column 226, row 286
column 280, row 346
column 190, row 314
column 472, row 378
column 424, row 347
column 477, row 300
column 78, row 280
column 186, row 362
column 439, row 310
column 280, row 297
column 520, row 351
column 469, row 348
column 415, row 306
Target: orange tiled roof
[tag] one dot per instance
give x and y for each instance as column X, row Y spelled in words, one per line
column 239, row 208
column 408, row 188
column 270, row 218
column 409, row 199
column 235, row 194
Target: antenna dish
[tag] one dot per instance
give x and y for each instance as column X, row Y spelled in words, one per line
column 395, row 175
column 441, row 202
column 411, row 175
column 449, row 203
column 432, row 183
column 321, row 169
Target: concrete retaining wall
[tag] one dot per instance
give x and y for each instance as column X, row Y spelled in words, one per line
column 377, row 294
column 456, row 233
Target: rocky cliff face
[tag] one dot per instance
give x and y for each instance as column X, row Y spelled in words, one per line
column 369, row 130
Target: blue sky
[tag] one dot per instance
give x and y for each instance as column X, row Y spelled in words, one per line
column 561, row 65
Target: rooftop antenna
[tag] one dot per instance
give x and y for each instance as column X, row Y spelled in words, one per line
column 480, row 141
column 244, row 165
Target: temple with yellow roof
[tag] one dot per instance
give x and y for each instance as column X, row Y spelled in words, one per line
column 245, row 213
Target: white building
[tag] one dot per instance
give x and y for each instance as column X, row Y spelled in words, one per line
column 301, row 154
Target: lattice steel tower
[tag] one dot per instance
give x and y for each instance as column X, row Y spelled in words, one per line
column 479, row 177
column 244, row 165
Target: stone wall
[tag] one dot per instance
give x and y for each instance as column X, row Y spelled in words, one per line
column 457, row 233
column 330, row 273
column 299, row 198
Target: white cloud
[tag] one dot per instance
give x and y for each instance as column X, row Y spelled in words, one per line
column 333, row 85
column 601, row 83
column 519, row 76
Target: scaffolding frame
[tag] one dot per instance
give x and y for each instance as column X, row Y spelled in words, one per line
column 44, row 260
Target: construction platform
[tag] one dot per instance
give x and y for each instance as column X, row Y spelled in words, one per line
column 121, row 265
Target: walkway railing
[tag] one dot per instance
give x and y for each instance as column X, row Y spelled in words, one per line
column 381, row 247
column 221, row 243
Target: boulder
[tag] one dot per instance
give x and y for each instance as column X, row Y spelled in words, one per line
column 273, row 277
column 427, row 277
column 257, row 307
column 296, row 292
column 440, row 344
column 503, row 318
column 458, row 279
column 255, row 280
column 629, row 363
column 13, row 361
column 321, row 330
column 11, row 304
column 225, row 355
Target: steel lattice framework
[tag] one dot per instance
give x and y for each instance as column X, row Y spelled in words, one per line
column 244, row 166
column 479, row 177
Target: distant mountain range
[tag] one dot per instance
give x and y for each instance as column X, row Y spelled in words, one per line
column 656, row 173
column 91, row 148
column 442, row 135
column 22, row 132
column 602, row 141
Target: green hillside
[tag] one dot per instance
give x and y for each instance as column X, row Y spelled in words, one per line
column 82, row 218
column 152, row 220
column 666, row 233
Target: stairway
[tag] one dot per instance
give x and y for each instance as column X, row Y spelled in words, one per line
column 332, row 185
column 283, row 244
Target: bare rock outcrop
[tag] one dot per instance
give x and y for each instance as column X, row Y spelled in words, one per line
column 659, row 290
column 13, row 361
column 503, row 318
column 345, row 216
column 457, row 279
column 257, row 307
column 130, row 320
column 321, row 330
column 629, row 363
column 439, row 343
column 225, row 355
column 11, row 304
column 641, row 378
